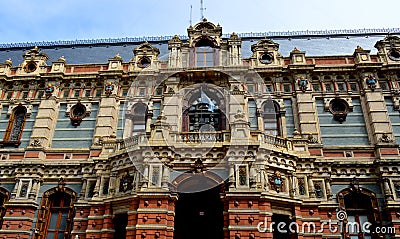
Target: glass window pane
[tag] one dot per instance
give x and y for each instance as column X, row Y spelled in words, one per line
column 363, row 219
column 351, row 218
column 50, row 235
column 138, row 127
column 53, row 221
column 60, row 235
column 63, row 223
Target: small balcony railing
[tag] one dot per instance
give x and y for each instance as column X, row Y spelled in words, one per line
column 202, row 137
column 277, row 141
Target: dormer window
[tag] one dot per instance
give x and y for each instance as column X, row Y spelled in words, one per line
column 205, row 53
column 266, row 58
column 394, row 55
column 30, row 67
column 144, row 62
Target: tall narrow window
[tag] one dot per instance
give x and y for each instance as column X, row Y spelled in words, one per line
column 253, row 115
column 272, row 118
column 138, row 117
column 55, row 216
column 15, row 126
column 156, row 111
column 358, row 209
column 397, row 189
column 155, row 175
column 302, row 186
column 242, row 176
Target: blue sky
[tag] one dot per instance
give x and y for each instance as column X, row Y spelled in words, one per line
column 49, row 20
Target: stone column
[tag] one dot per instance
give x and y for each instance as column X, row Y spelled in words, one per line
column 328, row 188
column 45, row 123
column 106, row 126
column 379, row 122
column 83, row 190
column 311, row 189
column 307, row 112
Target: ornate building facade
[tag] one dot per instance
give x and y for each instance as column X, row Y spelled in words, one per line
column 206, row 136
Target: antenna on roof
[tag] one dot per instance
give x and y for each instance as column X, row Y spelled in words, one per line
column 190, row 20
column 202, row 9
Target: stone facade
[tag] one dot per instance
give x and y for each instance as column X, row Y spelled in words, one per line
column 131, row 149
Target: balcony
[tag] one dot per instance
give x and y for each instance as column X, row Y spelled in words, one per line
column 189, row 139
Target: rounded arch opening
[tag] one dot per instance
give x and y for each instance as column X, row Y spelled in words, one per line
column 197, row 211
column 272, row 118
column 204, row 109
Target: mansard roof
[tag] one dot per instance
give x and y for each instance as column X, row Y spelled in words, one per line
column 313, row 43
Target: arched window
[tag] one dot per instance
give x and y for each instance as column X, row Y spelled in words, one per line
column 55, row 216
column 4, row 196
column 361, row 207
column 358, row 208
column 205, row 53
column 203, row 115
column 138, row 117
column 272, row 118
column 15, row 126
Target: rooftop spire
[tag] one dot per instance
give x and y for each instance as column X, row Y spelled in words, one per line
column 202, row 9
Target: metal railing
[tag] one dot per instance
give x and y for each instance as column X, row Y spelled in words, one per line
column 270, row 34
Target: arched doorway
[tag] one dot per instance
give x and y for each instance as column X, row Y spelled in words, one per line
column 199, row 214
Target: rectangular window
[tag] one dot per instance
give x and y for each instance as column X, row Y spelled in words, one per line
column 40, row 94
column 384, row 85
column 250, row 89
column 354, row 87
column 328, row 87
column 204, row 56
column 156, row 176
column 23, row 190
column 302, row 186
column 105, row 186
column 66, row 93
column 9, row 95
column 142, row 91
column 24, row 95
column 90, row 188
column 77, row 93
column 287, row 88
column 270, row 88
column 316, row 87
column 159, row 91
column 156, row 110
column 252, row 107
column 242, row 175
column 341, row 87
column 318, row 189
column 397, row 189
column 98, row 92
column 124, row 92
column 87, row 93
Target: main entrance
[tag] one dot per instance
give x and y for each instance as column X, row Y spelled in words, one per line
column 199, row 215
